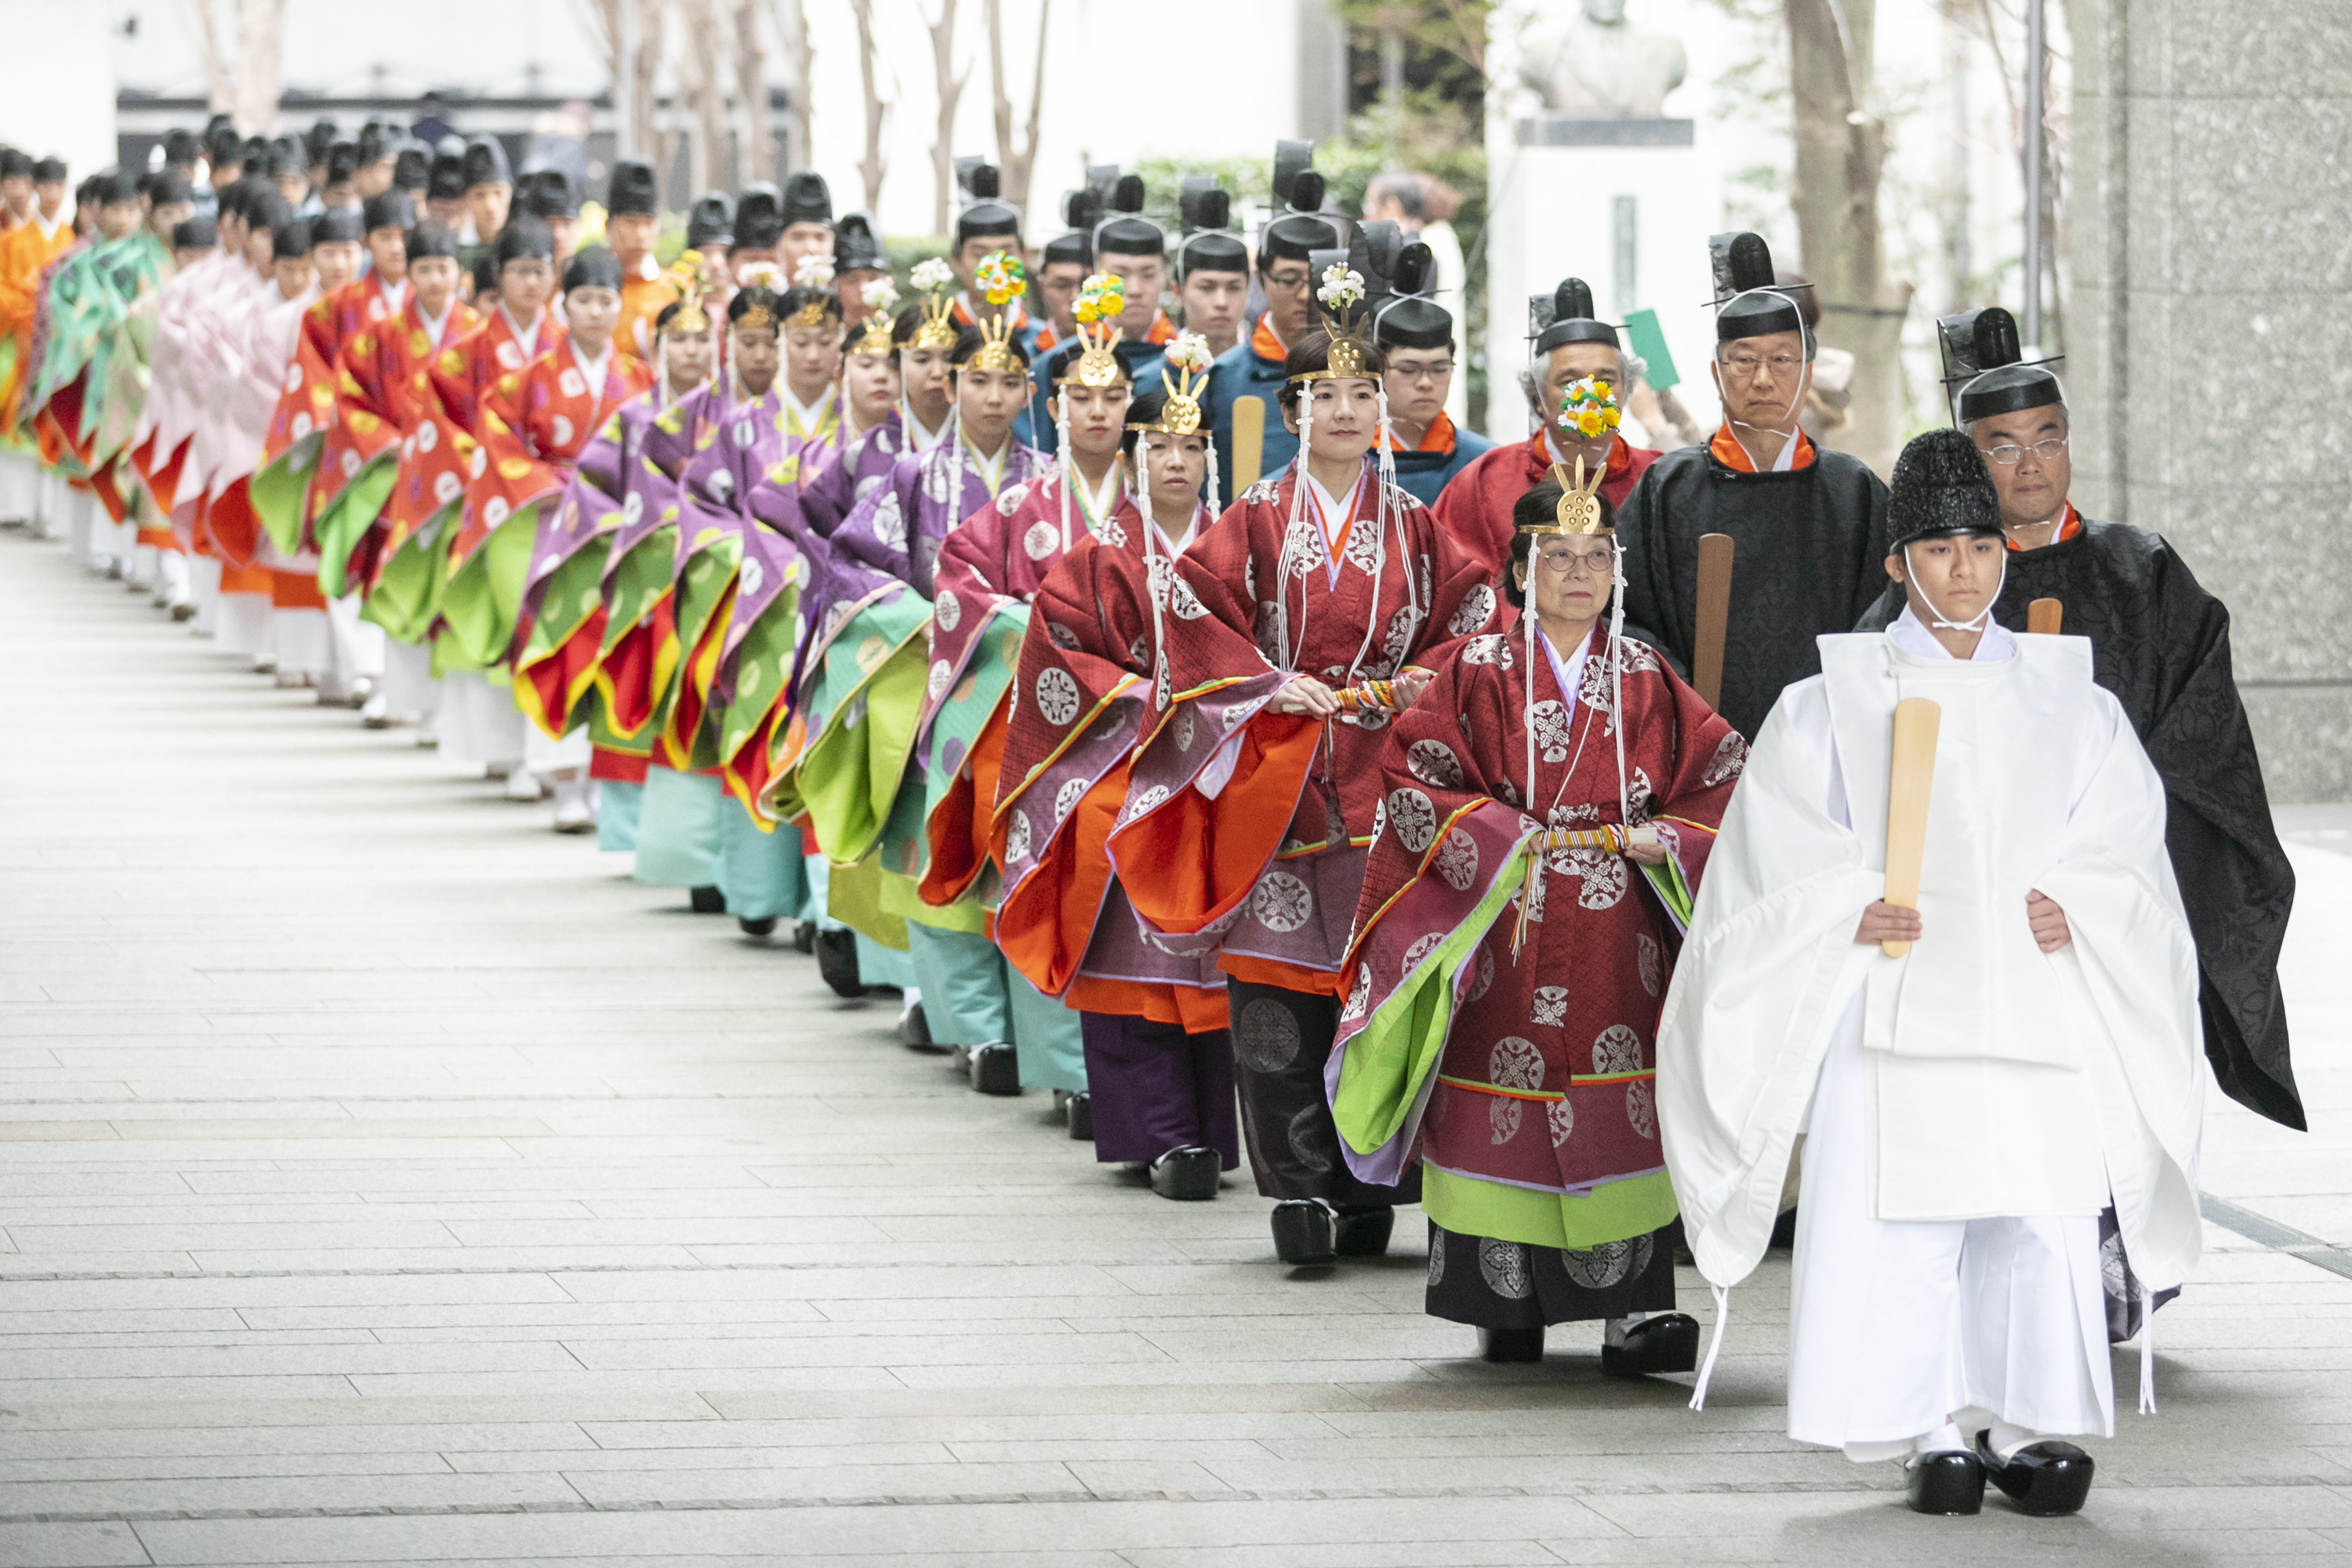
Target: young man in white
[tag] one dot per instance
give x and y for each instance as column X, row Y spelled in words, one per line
column 1968, row 1106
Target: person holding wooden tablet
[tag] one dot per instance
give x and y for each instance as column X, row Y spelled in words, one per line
column 1983, row 1029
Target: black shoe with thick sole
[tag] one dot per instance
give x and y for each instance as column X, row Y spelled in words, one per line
column 706, row 900
column 836, row 961
column 1303, row 1231
column 1949, row 1482
column 995, row 1069
column 1188, row 1175
column 1667, row 1343
column 2043, row 1479
column 803, row 937
column 762, row 926
column 1511, row 1344
column 1080, row 1109
column 1364, row 1233
column 915, row 1029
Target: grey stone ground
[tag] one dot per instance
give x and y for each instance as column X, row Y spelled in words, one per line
column 385, row 1179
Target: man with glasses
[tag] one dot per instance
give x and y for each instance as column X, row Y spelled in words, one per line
column 2161, row 644
column 1416, row 334
column 1253, row 368
column 1807, row 525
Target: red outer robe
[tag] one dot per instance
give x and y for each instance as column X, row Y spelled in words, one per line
column 1476, row 505
column 381, row 397
column 1303, row 796
column 1559, row 1036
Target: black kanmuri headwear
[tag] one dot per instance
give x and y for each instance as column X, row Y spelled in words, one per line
column 1208, row 243
column 446, row 182
column 195, row 233
column 1408, row 317
column 1298, row 234
column 429, row 239
column 1984, row 361
column 486, row 163
column 711, row 221
column 633, row 190
column 389, row 208
column 1565, row 316
column 855, row 249
column 759, row 217
column 807, row 199
column 984, row 215
column 1126, row 231
column 1940, row 486
column 1748, row 303
column 291, row 240
column 342, row 162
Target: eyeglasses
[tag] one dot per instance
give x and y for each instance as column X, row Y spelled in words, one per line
column 1578, row 563
column 1288, row 282
column 2009, row 454
column 1423, row 372
column 1779, row 367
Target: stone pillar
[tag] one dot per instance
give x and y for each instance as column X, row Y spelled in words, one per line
column 2209, row 334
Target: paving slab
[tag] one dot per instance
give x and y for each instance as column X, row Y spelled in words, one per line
column 385, row 1179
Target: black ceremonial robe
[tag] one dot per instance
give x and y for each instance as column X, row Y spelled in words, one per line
column 2161, row 644
column 1809, row 556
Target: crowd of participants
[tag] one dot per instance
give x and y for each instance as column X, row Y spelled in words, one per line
column 1181, row 712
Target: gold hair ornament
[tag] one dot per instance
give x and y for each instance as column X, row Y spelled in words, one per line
column 1578, row 512
column 1342, row 290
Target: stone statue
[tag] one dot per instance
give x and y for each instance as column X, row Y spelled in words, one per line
column 1597, row 66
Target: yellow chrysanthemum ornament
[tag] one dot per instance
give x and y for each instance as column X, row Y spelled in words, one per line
column 1101, row 299
column 1589, row 408
column 1002, row 280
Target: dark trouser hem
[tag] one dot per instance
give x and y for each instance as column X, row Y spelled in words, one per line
column 1493, row 1284
column 1281, row 1039
column 1155, row 1088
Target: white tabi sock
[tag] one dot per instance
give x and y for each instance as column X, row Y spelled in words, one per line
column 1946, row 1439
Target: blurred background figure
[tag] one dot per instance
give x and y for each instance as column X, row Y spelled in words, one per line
column 1423, row 207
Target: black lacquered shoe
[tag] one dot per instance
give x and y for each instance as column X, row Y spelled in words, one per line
column 995, row 1069
column 803, row 937
column 1511, row 1344
column 1303, row 1231
column 915, row 1029
column 1949, row 1482
column 836, row 961
column 1188, row 1175
column 1080, row 1109
column 706, row 900
column 1364, row 1233
column 762, row 925
column 1667, row 1343
column 2043, row 1479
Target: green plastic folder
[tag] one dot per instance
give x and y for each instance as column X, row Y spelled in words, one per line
column 1649, row 342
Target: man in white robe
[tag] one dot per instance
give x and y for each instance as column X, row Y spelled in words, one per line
column 1967, row 1108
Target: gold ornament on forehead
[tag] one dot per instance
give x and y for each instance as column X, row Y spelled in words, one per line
column 933, row 277
column 685, row 277
column 877, row 335
column 1101, row 298
column 995, row 351
column 1189, row 357
column 1342, row 290
column 1578, row 512
column 815, row 272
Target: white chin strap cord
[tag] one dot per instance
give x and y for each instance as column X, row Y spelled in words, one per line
column 1976, row 623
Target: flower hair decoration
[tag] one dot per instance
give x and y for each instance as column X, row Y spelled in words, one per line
column 1342, row 290
column 934, row 277
column 1001, row 278
column 813, row 272
column 1188, row 357
column 877, row 335
column 1588, row 408
column 686, row 276
column 1101, row 298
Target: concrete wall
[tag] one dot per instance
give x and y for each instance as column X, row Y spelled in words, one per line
column 2210, row 332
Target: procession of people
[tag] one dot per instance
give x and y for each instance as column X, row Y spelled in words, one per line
column 1634, row 858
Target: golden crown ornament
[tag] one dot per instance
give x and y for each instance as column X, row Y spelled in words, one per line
column 1101, row 299
column 1342, row 292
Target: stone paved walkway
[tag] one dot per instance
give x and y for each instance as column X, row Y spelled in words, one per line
column 383, row 1179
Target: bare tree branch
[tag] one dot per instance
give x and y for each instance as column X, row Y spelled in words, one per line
column 220, row 85
column 1016, row 159
column 870, row 168
column 950, row 84
column 791, row 25
column 758, row 159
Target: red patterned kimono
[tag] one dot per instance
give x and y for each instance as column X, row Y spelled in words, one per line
column 381, row 397
column 328, row 327
column 1276, row 858
column 1504, row 995
column 1065, row 922
column 545, row 424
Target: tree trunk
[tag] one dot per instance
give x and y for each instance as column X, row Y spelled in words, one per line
column 1841, row 150
column 653, row 17
column 758, row 157
column 259, row 24
column 949, row 87
column 220, row 83
column 703, row 84
column 792, row 24
column 870, row 168
column 1016, row 159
